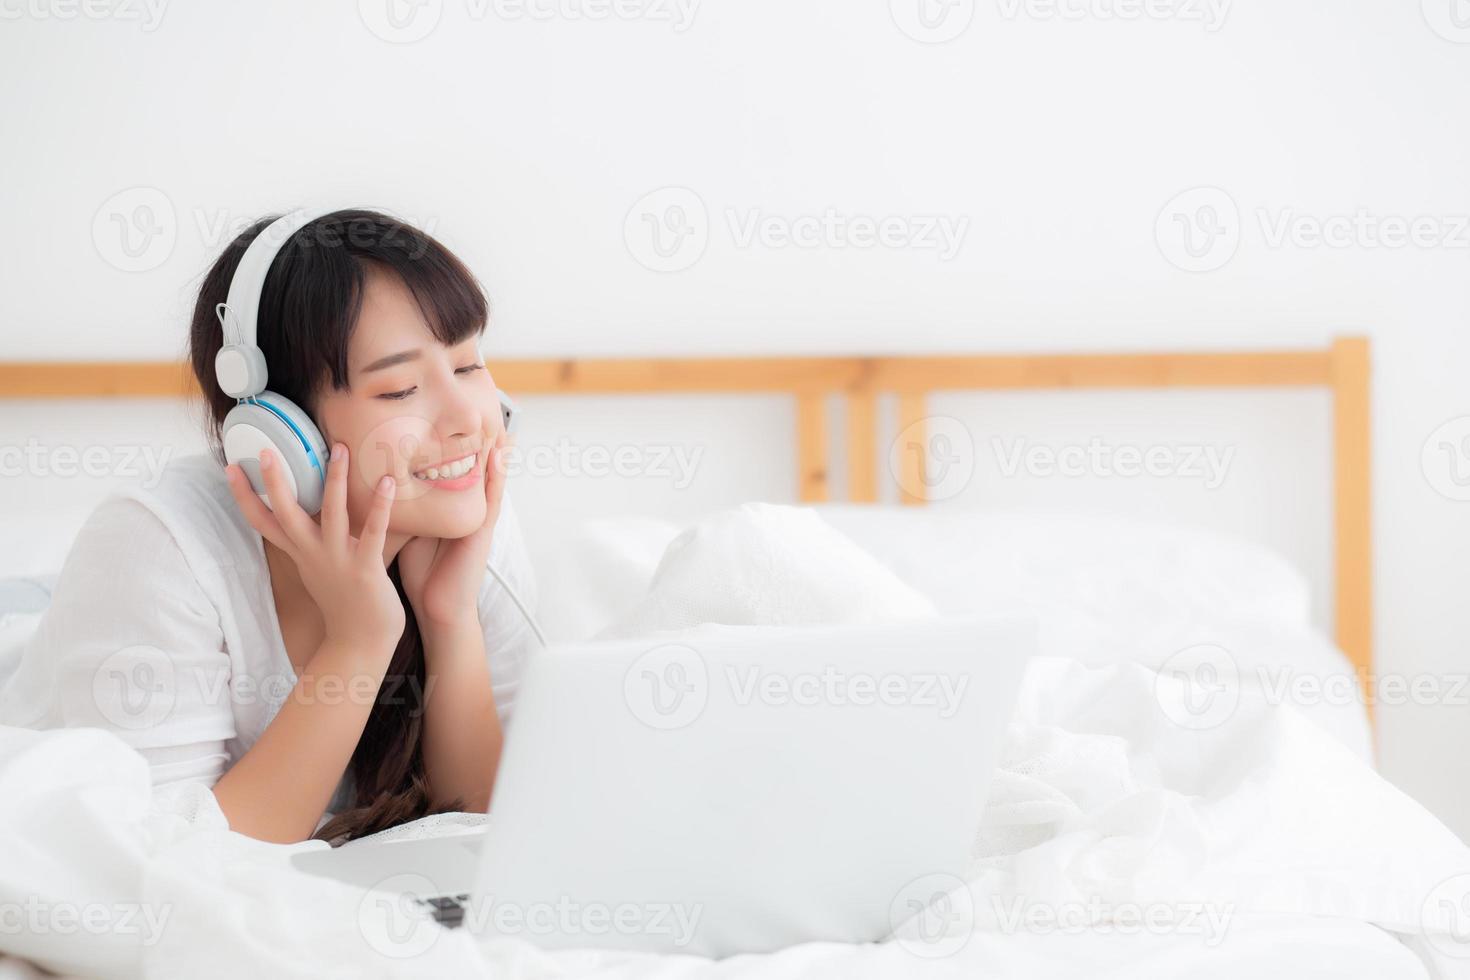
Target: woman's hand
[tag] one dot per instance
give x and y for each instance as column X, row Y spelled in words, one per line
column 344, row 574
column 442, row 578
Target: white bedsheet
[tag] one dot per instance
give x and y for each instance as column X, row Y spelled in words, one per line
column 1255, row 845
column 1103, row 807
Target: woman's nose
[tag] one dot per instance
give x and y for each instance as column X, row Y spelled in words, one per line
column 460, row 413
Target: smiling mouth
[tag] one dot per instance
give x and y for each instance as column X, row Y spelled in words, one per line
column 448, row 471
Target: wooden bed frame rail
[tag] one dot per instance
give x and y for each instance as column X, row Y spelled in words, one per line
column 1343, row 367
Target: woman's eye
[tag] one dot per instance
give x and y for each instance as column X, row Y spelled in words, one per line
column 399, row 395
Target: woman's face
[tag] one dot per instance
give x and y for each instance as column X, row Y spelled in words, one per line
column 412, row 404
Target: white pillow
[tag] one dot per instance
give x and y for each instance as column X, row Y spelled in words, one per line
column 1120, row 581
column 766, row 564
column 591, row 572
column 1124, row 589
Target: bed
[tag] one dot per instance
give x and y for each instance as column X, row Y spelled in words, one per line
column 1119, row 838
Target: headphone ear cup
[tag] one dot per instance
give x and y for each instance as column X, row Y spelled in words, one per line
column 274, row 422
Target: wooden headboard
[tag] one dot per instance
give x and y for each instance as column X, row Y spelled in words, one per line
column 1342, row 367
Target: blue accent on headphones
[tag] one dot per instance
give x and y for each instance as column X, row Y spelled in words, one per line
column 305, row 442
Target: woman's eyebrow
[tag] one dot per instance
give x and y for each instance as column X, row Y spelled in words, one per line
column 392, row 359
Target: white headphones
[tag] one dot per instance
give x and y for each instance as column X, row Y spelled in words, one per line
column 264, row 419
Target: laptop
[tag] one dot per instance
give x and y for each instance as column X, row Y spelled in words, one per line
column 725, row 789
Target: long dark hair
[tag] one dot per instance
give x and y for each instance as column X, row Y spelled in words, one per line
column 308, row 309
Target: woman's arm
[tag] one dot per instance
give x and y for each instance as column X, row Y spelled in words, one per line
column 280, row 788
column 443, row 580
column 462, row 736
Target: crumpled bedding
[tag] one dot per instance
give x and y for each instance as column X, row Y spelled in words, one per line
column 1104, row 811
column 1125, row 835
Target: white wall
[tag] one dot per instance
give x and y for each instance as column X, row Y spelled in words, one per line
column 1060, row 138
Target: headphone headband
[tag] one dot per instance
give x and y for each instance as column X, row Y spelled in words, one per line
column 242, row 307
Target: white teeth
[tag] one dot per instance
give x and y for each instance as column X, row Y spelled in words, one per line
column 449, row 470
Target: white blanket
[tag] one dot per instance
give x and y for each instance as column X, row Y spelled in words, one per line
column 1116, row 841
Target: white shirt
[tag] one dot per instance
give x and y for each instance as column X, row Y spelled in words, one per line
column 162, row 629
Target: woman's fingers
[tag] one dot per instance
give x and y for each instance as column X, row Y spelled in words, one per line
column 289, row 514
column 334, row 498
column 375, row 528
column 255, row 510
column 495, row 478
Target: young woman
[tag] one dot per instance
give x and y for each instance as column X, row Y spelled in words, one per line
column 325, row 676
